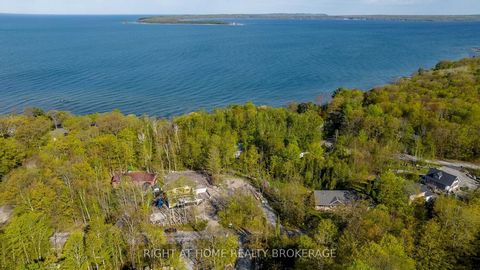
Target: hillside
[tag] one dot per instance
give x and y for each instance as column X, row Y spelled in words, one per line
column 57, row 171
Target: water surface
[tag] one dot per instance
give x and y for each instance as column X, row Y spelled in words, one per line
column 87, row 64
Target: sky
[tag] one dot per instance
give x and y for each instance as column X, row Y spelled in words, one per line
column 332, row 7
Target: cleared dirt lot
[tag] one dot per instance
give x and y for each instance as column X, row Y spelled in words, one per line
column 214, row 200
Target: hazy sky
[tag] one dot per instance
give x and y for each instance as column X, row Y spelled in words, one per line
column 240, row 6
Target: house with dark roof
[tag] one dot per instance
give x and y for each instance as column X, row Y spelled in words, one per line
column 328, row 199
column 141, row 179
column 440, row 180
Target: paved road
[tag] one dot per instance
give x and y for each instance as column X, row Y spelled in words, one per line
column 455, row 164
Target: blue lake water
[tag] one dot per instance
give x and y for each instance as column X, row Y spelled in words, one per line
column 86, row 64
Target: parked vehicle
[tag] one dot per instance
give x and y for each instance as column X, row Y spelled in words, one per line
column 159, row 203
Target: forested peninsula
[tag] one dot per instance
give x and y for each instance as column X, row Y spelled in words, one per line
column 66, row 201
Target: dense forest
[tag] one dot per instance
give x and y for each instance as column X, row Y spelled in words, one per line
column 56, row 168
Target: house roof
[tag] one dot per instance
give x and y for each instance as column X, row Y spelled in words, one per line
column 135, row 177
column 333, row 197
column 441, row 177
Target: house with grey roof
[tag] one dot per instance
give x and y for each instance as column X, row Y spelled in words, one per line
column 328, row 199
column 440, row 180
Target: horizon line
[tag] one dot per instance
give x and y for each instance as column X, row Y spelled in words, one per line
column 227, row 13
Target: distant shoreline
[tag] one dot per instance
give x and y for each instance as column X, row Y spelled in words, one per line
column 179, row 21
column 219, row 18
column 184, row 23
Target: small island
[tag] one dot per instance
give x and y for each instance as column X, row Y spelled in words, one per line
column 181, row 20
